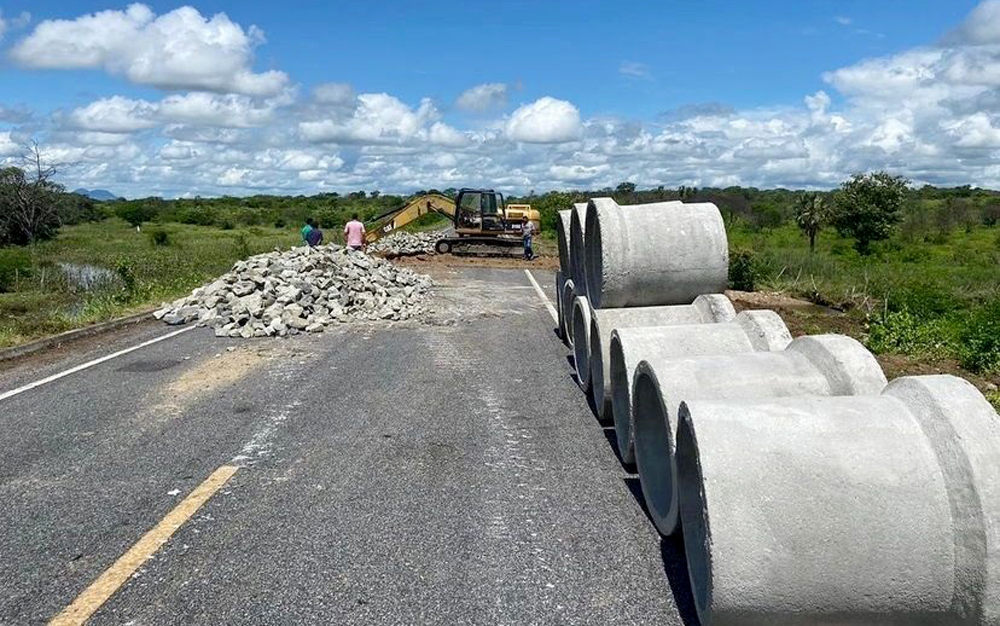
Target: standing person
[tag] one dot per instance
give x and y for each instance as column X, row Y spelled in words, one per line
column 315, row 237
column 310, row 224
column 354, row 232
column 527, row 230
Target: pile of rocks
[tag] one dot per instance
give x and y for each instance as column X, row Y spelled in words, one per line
column 402, row 243
column 302, row 289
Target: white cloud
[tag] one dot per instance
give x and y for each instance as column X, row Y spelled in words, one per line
column 483, row 97
column 378, row 118
column 8, row 146
column 633, row 69
column 115, row 115
column 930, row 113
column 334, row 93
column 226, row 111
column 177, row 50
column 975, row 131
column 546, row 120
column 982, row 26
column 577, row 173
column 842, row 20
column 443, row 135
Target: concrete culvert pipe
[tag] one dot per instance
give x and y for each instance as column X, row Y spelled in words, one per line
column 562, row 240
column 706, row 309
column 653, row 254
column 750, row 331
column 823, row 365
column 576, row 247
column 849, row 510
column 581, row 340
column 560, row 321
column 567, row 311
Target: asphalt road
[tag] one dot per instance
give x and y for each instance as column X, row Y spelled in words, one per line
column 438, row 472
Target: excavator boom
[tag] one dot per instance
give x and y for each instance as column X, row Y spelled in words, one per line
column 414, row 209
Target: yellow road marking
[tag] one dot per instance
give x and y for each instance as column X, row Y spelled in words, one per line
column 115, row 576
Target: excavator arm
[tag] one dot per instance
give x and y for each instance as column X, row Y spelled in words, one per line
column 415, row 208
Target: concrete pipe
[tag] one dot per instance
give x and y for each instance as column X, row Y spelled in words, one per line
column 706, row 309
column 581, row 340
column 653, row 254
column 567, row 311
column 848, row 511
column 749, row 332
column 577, row 225
column 824, row 365
column 560, row 282
column 562, row 240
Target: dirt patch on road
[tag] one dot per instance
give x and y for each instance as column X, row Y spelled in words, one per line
column 210, row 374
column 201, row 379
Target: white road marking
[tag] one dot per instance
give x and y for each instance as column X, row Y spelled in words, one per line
column 89, row 364
column 545, row 298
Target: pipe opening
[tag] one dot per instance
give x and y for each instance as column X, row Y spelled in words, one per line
column 562, row 240
column 576, row 251
column 654, row 449
column 694, row 514
column 596, row 365
column 621, row 402
column 567, row 310
column 581, row 344
column 593, row 258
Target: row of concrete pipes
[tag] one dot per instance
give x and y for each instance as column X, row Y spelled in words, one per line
column 807, row 488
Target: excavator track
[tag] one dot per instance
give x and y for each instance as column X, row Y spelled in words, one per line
column 479, row 246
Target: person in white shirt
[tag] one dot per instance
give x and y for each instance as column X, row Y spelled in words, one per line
column 527, row 230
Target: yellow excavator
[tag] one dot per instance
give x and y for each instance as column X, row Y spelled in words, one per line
column 482, row 223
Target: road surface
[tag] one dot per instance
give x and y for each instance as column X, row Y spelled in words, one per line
column 447, row 471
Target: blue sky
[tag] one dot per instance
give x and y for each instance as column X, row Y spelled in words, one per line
column 574, row 94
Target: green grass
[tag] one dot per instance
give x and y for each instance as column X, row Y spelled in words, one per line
column 934, row 297
column 926, row 278
column 39, row 301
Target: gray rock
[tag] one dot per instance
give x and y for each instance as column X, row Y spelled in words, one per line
column 302, row 289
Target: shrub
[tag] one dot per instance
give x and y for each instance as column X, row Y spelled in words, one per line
column 894, row 331
column 15, row 263
column 159, row 237
column 979, row 340
column 135, row 213
column 125, row 271
column 868, row 207
column 243, row 249
column 742, row 270
column 199, row 216
column 922, row 300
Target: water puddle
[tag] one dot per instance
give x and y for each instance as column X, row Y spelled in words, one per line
column 88, row 277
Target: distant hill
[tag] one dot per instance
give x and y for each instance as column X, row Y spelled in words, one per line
column 96, row 194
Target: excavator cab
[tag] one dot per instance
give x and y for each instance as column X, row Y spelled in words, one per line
column 480, row 211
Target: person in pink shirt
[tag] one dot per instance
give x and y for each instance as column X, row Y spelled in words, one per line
column 354, row 232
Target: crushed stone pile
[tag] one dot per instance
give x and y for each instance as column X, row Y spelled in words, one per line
column 403, row 243
column 301, row 290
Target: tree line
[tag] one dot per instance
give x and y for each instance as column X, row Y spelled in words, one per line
column 866, row 207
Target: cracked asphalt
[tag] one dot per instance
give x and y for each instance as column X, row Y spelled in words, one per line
column 443, row 472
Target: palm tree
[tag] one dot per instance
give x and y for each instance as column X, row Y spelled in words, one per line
column 811, row 214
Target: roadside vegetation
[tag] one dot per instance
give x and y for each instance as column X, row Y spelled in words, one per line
column 914, row 273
